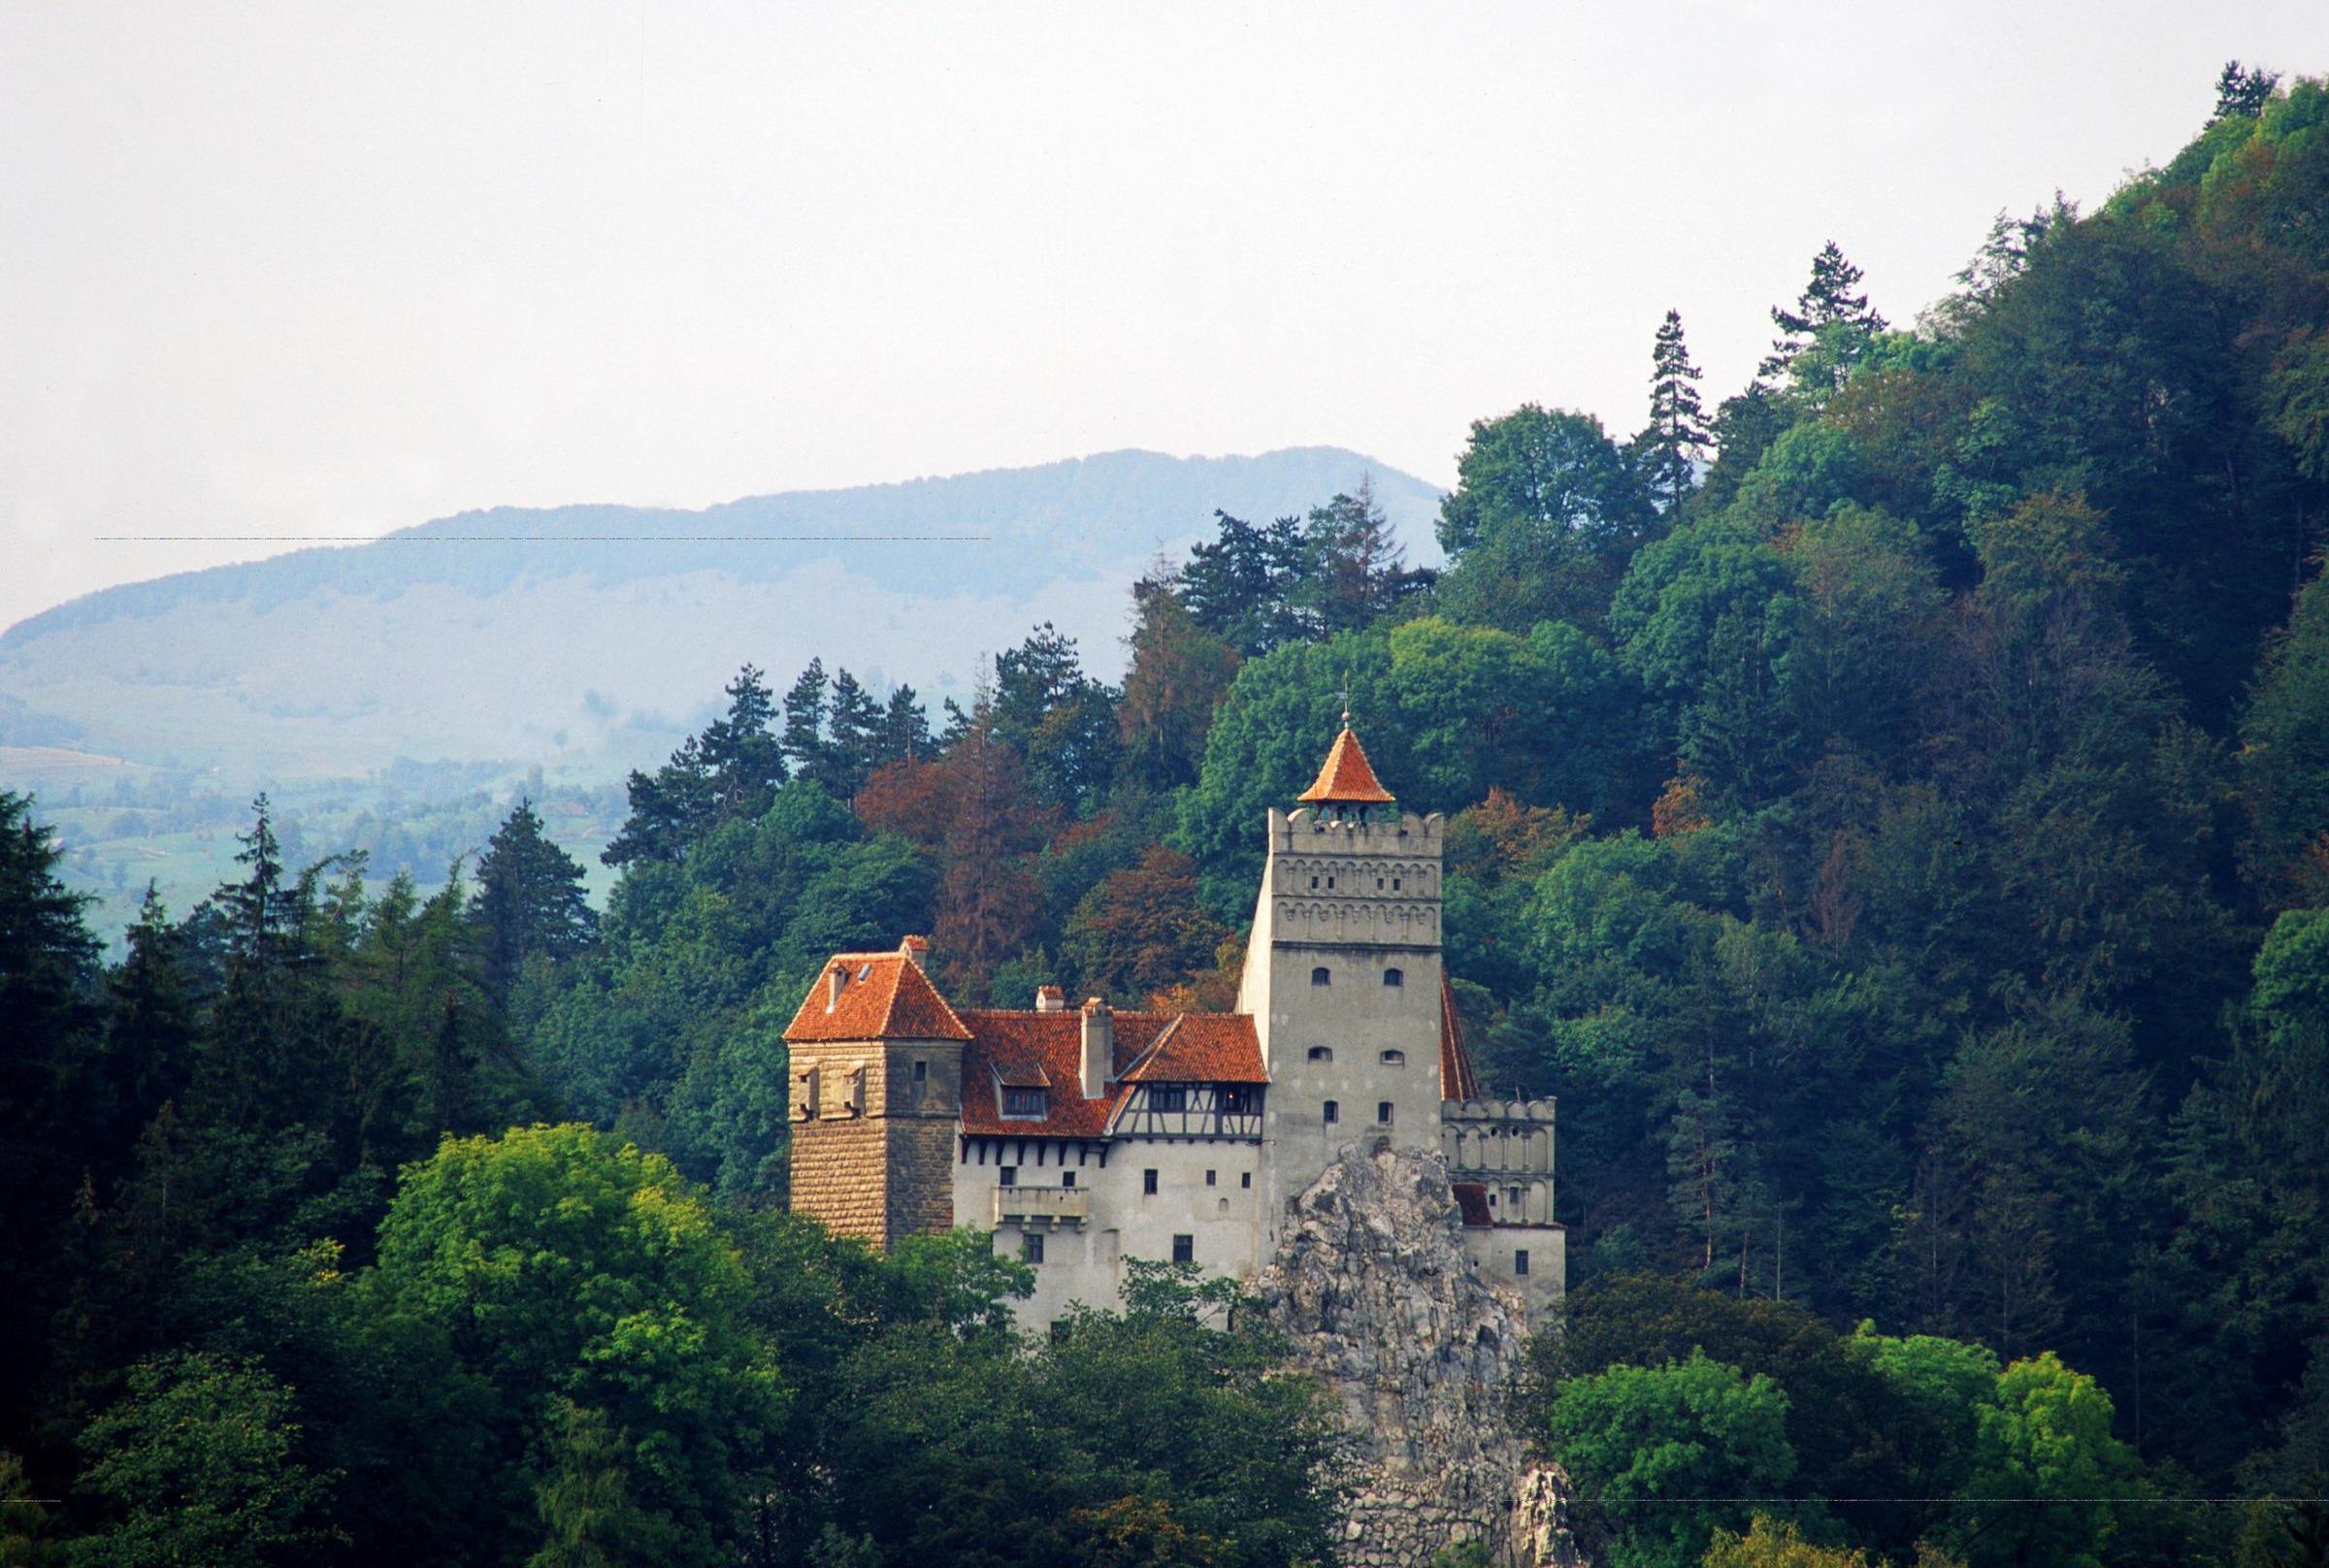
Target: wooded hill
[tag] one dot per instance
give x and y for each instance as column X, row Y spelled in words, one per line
column 1901, row 842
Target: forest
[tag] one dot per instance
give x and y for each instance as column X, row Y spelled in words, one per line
column 1888, row 806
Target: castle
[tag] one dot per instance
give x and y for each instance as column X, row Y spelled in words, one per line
column 1087, row 1136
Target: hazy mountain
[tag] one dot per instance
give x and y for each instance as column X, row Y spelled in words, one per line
column 587, row 637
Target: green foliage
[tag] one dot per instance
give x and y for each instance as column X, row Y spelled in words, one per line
column 2284, row 756
column 199, row 1462
column 2048, row 1435
column 1545, row 514
column 588, row 1286
column 1671, row 1453
column 1777, row 1544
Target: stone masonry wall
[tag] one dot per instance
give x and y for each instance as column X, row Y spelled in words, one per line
column 1371, row 1285
column 921, row 1177
column 837, row 1161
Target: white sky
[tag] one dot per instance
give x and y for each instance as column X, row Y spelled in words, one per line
column 333, row 269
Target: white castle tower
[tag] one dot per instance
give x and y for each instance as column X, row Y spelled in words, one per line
column 1342, row 974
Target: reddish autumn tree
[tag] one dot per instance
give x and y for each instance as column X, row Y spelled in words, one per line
column 1143, row 928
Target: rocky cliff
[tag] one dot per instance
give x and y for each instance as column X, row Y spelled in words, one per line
column 1371, row 1285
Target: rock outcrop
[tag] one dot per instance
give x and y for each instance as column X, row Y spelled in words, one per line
column 1371, row 1285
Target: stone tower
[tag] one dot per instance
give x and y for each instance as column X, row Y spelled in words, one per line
column 1342, row 975
column 876, row 1093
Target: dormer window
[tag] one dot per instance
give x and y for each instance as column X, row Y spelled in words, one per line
column 1025, row 1104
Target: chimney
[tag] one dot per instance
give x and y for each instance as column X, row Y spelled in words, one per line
column 916, row 950
column 1099, row 1048
column 1050, row 999
column 835, row 978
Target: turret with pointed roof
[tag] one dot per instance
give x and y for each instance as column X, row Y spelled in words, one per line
column 1347, row 778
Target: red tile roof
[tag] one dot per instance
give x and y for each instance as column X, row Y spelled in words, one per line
column 1202, row 1048
column 1015, row 1047
column 1457, row 1080
column 1347, row 778
column 884, row 997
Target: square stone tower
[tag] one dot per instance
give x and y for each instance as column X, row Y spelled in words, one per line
column 1342, row 975
column 876, row 1094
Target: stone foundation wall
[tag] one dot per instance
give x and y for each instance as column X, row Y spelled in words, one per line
column 1372, row 1285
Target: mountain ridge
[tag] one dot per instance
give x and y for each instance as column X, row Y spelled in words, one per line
column 595, row 630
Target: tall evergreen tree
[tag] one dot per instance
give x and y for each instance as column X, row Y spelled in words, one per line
column 1831, row 324
column 904, row 728
column 529, row 900
column 741, row 754
column 854, row 725
column 2242, row 91
column 804, row 743
column 1670, row 449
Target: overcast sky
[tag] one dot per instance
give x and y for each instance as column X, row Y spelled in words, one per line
column 333, row 269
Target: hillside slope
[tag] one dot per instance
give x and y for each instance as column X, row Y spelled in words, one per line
column 587, row 636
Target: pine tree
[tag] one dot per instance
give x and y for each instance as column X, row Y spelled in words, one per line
column 151, row 1024
column 529, row 900
column 804, row 742
column 904, row 728
column 740, row 752
column 1677, row 438
column 854, row 722
column 1830, row 323
column 2243, row 92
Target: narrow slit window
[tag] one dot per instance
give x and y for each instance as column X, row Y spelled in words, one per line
column 1383, row 1113
column 1148, row 1184
column 1333, row 1113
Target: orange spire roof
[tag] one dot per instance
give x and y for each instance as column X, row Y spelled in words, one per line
column 1347, row 778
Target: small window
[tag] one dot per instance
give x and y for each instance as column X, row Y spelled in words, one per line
column 1395, row 884
column 1314, row 884
column 1395, row 978
column 1514, row 1193
column 1383, row 1113
column 1245, row 1179
column 1329, row 884
column 1333, row 1113
column 1520, row 1262
column 1006, row 1175
column 1031, row 1248
column 1184, row 1249
column 1394, row 1058
column 1169, row 1098
column 1067, row 1178
column 1322, row 1053
column 1148, row 1182
column 1236, row 1099
column 1378, row 884
column 1209, row 1181
column 1024, row 1104
column 921, row 1074
column 1321, row 977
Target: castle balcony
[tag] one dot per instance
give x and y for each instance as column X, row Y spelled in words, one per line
column 1042, row 1208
